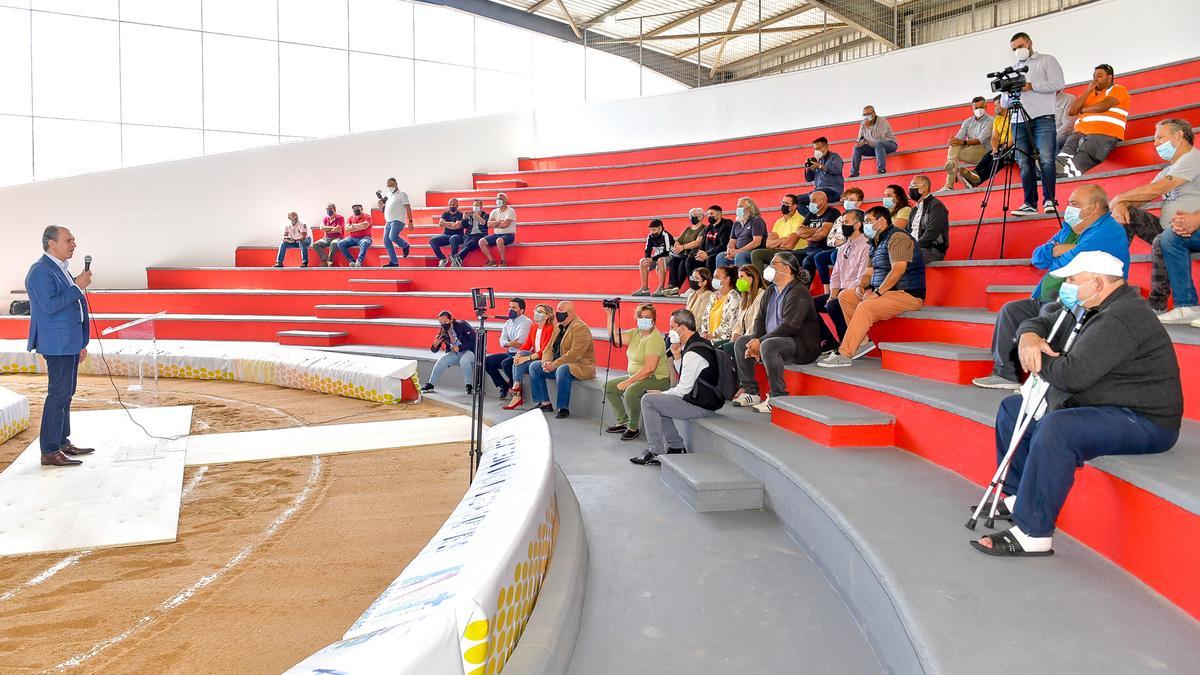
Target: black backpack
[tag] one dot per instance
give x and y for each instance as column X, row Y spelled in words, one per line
column 727, row 376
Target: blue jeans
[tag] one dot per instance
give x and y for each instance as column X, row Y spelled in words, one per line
column 499, row 367
column 830, row 306
column 1177, row 256
column 391, row 237
column 363, row 244
column 302, row 245
column 1044, row 135
column 740, row 259
column 817, row 261
column 880, row 150
column 436, row 244
column 1043, row 466
column 562, row 380
column 462, row 244
column 463, row 359
column 520, row 370
column 62, row 374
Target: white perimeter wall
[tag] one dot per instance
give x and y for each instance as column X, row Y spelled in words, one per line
column 196, row 211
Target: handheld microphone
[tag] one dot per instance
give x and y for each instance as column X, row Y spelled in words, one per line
column 87, row 263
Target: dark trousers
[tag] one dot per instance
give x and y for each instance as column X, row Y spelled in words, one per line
column 62, row 376
column 1147, row 227
column 1081, row 153
column 835, row 197
column 988, row 164
column 1004, row 336
column 499, row 368
column 817, row 262
column 1043, row 467
column 677, row 270
column 831, row 307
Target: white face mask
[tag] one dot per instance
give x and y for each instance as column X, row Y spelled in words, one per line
column 769, row 274
column 978, row 113
column 499, row 204
column 476, row 209
column 539, row 317
column 818, row 154
column 1021, row 53
column 716, row 284
column 674, row 336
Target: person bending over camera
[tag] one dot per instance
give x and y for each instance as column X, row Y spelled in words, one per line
column 648, row 370
column 457, row 339
column 571, row 356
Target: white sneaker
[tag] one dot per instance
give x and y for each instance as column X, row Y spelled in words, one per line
column 995, row 382
column 747, row 400
column 1025, row 210
column 1195, row 324
column 764, row 407
column 834, row 360
column 1050, row 206
column 443, row 262
column 863, row 349
column 1180, row 315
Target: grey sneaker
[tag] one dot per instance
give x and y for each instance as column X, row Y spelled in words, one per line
column 1025, row 210
column 863, row 349
column 995, row 382
column 834, row 360
column 641, row 293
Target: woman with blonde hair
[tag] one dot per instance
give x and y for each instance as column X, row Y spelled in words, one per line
column 539, row 338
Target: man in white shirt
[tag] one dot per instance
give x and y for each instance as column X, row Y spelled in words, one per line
column 503, row 222
column 696, row 394
column 1039, row 97
column 396, row 212
column 514, row 333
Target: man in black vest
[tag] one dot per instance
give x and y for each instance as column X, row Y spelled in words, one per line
column 696, row 394
column 930, row 220
column 893, row 284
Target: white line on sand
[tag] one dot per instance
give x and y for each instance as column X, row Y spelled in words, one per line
column 314, row 477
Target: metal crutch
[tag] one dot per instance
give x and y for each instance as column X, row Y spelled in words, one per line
column 1033, row 402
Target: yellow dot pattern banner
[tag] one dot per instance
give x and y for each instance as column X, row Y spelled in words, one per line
column 14, row 414
column 489, row 641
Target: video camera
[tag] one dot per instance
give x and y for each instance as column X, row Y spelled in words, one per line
column 482, row 300
column 611, row 303
column 1009, row 81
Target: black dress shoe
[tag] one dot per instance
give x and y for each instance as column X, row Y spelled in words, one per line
column 504, row 393
column 647, row 458
column 630, row 434
column 545, row 407
column 615, row 429
column 391, row 264
column 58, row 459
column 70, row 449
column 676, row 451
column 563, row 413
column 428, row 386
column 470, row 390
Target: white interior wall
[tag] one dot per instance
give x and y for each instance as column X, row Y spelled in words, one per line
column 196, row 211
column 1129, row 34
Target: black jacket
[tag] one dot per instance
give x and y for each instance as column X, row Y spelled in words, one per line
column 1122, row 357
column 716, row 237
column 464, row 332
column 933, row 228
column 799, row 321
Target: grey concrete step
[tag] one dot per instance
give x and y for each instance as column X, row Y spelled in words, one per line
column 938, row 350
column 709, row 482
column 831, row 411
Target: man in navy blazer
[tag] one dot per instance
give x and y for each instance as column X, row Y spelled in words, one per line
column 58, row 330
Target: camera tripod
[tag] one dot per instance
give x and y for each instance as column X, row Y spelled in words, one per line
column 1008, row 158
column 615, row 341
column 483, row 299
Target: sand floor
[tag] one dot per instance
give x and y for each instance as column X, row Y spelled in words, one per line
column 274, row 559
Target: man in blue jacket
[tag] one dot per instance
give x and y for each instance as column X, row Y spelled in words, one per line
column 1088, row 227
column 58, row 330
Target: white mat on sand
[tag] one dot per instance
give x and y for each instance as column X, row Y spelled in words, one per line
column 110, row 500
column 250, row 446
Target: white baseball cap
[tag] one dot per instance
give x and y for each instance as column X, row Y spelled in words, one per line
column 1096, row 262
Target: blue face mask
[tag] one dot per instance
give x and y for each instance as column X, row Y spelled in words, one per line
column 869, row 229
column 1068, row 295
column 741, row 214
column 645, row 323
column 1071, row 215
column 889, row 203
column 850, row 204
column 1165, row 150
column 813, row 208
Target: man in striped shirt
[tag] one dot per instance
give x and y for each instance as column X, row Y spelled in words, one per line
column 1102, row 112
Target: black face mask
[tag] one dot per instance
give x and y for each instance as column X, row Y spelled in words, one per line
column 445, row 326
column 512, row 314
column 847, row 230
column 712, row 220
column 785, row 209
column 693, row 284
column 358, row 212
column 695, row 220
column 560, row 317
column 453, row 209
column 914, row 194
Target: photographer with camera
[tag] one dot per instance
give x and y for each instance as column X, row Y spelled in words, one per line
column 824, row 171
column 1034, row 85
column 457, row 339
column 648, row 369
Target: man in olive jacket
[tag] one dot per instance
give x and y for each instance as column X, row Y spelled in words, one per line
column 785, row 332
column 570, row 356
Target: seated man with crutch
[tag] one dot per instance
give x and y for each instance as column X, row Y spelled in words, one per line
column 1113, row 390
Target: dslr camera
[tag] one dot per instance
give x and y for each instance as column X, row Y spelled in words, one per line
column 611, row 303
column 810, row 162
column 1008, row 81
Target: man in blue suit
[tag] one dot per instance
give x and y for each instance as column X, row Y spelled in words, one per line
column 58, row 330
